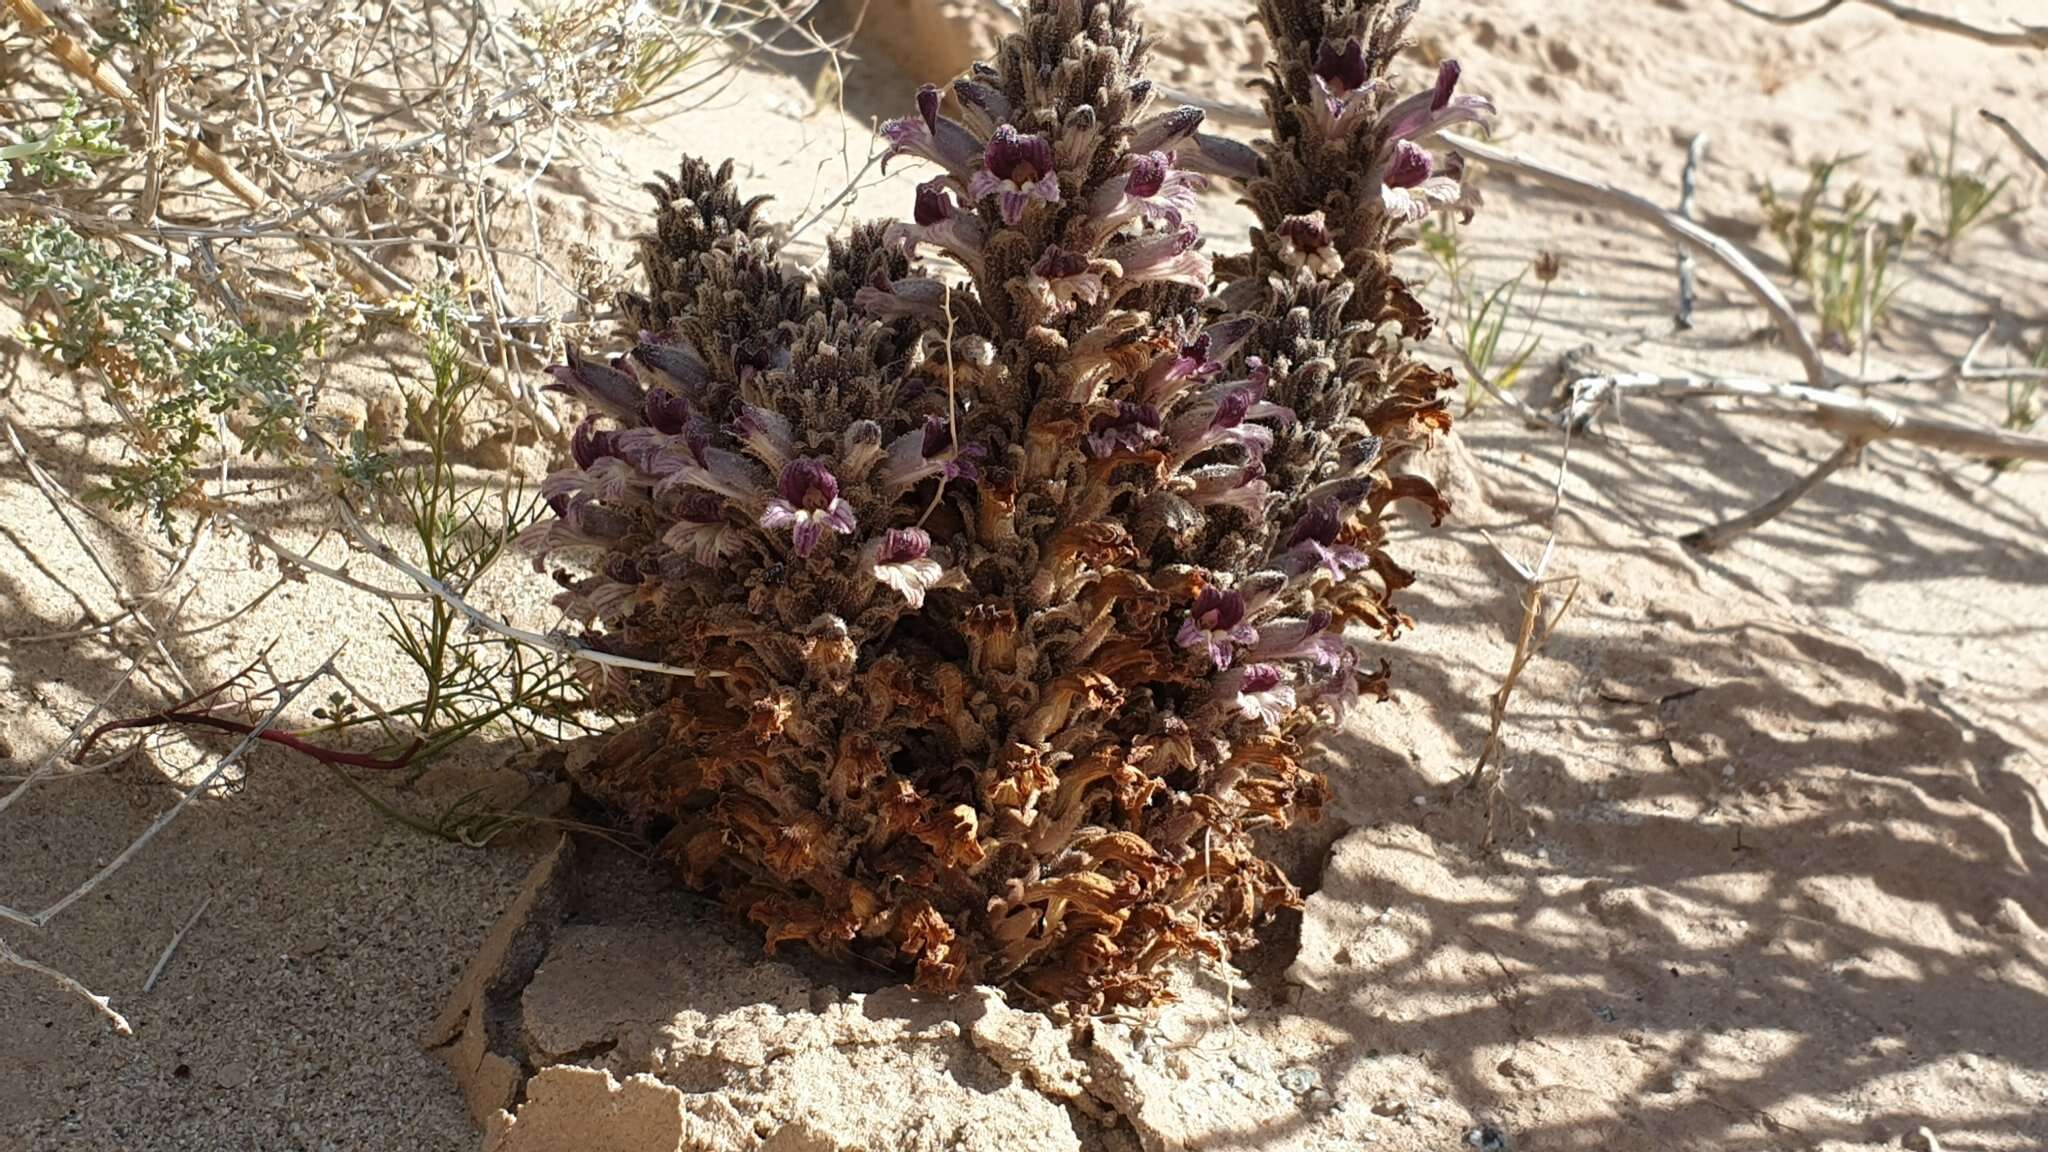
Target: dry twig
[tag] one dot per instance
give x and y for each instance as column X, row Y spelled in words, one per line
column 2018, row 36
column 286, row 694
column 105, row 1008
column 2027, row 147
column 156, row 972
column 1847, row 416
column 1858, row 421
column 1536, row 628
column 1688, row 293
column 1676, row 226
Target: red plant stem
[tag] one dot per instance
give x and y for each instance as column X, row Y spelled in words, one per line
column 222, row 723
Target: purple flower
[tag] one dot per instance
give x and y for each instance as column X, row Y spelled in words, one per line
column 1343, row 69
column 1167, row 129
column 599, row 472
column 1227, row 485
column 917, row 297
column 1195, row 363
column 1263, row 694
column 1063, row 279
column 927, row 452
column 986, row 108
column 931, row 136
column 1313, row 542
column 1217, row 622
column 579, row 522
column 667, row 412
column 1221, row 156
column 587, row 445
column 1018, row 169
column 1424, row 114
column 1165, row 256
column 807, row 502
column 1152, row 189
column 936, row 220
column 1300, row 639
column 901, row 560
column 1447, row 75
column 1226, row 421
column 1131, row 428
column 1409, row 167
column 601, row 385
column 677, row 362
column 1411, row 188
column 1304, row 242
column 701, row 530
column 766, row 433
column 699, row 465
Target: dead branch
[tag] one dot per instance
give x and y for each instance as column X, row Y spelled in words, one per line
column 163, row 961
column 546, row 642
column 206, row 718
column 1688, row 186
column 49, row 761
column 1536, row 583
column 1676, row 226
column 1847, row 416
column 100, row 1003
column 2018, row 36
column 286, row 695
column 1859, row 422
column 290, row 559
column 2012, row 133
column 1714, row 536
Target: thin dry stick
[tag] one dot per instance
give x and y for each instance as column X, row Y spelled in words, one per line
column 2019, row 140
column 293, row 559
column 163, row 961
column 105, row 1008
column 2018, row 36
column 40, row 919
column 45, row 485
column 1527, row 645
column 1847, row 416
column 1688, row 184
column 48, row 762
column 1676, row 226
column 1711, row 538
column 1535, row 583
column 558, row 644
column 1858, row 422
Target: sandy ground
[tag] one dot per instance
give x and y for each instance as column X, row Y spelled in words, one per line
column 1762, row 870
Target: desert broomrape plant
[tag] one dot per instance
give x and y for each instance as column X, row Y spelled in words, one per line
column 1018, row 550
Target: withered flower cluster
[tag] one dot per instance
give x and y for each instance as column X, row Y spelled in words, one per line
column 1017, row 550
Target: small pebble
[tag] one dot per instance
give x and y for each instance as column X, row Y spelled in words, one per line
column 1301, row 1081
column 1487, row 1138
column 1922, row 1141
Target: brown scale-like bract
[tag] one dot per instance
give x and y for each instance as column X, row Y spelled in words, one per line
column 1017, row 552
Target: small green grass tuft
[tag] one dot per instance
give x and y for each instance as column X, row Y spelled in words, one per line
column 1968, row 196
column 1841, row 249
